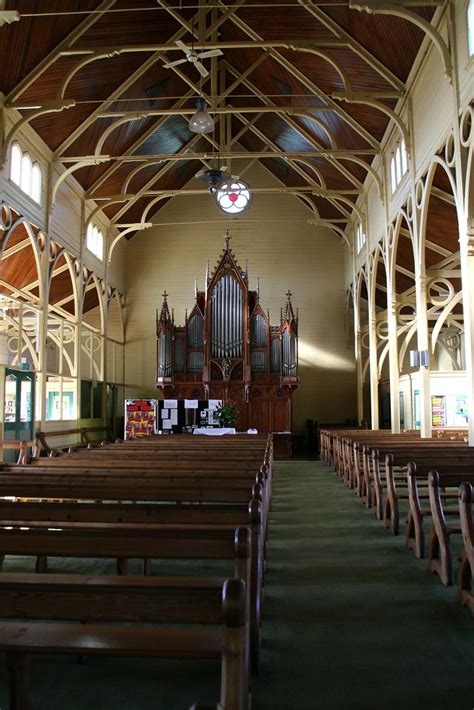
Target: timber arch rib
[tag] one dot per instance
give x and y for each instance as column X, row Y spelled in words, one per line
column 307, row 91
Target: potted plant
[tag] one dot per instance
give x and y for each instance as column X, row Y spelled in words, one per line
column 226, row 414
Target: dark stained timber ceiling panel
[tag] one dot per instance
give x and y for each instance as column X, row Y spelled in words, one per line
column 284, row 75
column 24, row 44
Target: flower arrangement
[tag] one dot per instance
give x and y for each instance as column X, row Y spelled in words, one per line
column 226, row 414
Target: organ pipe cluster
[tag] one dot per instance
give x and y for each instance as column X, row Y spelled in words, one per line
column 227, row 335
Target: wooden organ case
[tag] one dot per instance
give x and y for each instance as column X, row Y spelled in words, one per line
column 228, row 350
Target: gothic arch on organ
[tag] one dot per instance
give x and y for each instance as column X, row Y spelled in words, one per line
column 227, row 349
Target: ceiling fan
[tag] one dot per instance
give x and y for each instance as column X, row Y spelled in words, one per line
column 215, row 177
column 194, row 58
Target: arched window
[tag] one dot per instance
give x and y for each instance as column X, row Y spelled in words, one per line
column 25, row 179
column 15, row 164
column 403, row 151
column 470, row 28
column 36, row 183
column 25, row 173
column 360, row 237
column 398, row 165
column 95, row 241
column 393, row 175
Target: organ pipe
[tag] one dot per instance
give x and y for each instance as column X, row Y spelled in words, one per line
column 226, row 327
column 215, row 332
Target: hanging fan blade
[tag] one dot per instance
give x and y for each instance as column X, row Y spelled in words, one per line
column 168, row 65
column 201, row 69
column 210, row 53
column 179, row 43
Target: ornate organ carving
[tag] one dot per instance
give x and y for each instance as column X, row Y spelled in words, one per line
column 228, row 349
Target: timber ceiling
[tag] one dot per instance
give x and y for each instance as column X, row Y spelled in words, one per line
column 306, row 87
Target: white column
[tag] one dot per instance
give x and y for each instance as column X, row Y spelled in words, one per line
column 374, row 375
column 466, row 239
column 358, row 361
column 393, row 359
column 423, row 344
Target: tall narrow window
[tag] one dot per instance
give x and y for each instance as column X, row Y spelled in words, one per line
column 36, row 183
column 398, row 165
column 15, row 164
column 360, row 237
column 25, row 180
column 393, row 175
column 470, row 28
column 95, row 241
column 403, row 152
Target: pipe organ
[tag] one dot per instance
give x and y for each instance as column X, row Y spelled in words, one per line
column 227, row 349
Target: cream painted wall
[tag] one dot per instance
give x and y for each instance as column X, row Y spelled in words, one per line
column 284, row 251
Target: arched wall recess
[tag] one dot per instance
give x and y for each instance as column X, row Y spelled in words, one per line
column 443, row 317
column 70, row 262
column 92, row 279
column 37, row 243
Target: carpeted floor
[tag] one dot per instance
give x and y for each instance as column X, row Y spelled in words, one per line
column 351, row 621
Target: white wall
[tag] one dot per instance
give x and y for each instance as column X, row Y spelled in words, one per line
column 284, row 251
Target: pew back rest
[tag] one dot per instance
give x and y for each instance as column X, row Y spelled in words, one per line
column 84, row 598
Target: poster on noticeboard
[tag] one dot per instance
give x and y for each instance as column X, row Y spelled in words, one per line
column 140, row 418
column 438, row 411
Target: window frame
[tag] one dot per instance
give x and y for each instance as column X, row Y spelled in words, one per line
column 361, row 238
column 95, row 241
column 398, row 165
column 25, row 173
column 470, row 30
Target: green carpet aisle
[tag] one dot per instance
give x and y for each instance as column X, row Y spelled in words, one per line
column 352, row 621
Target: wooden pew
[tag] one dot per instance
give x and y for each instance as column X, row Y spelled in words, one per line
column 466, row 566
column 121, row 542
column 168, row 516
column 385, row 493
column 439, row 551
column 416, row 534
column 20, row 446
column 176, row 488
column 81, row 436
column 113, row 613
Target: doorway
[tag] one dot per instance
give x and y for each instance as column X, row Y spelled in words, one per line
column 18, row 412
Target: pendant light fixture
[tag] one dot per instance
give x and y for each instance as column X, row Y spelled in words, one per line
column 201, row 122
column 233, row 196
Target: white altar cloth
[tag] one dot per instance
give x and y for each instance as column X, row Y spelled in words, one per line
column 214, row 432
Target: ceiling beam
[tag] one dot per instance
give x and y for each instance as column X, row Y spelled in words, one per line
column 332, row 159
column 178, row 104
column 290, row 162
column 144, row 190
column 430, row 245
column 444, row 196
column 308, row 83
column 66, row 43
column 116, row 94
column 324, row 152
column 357, row 47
